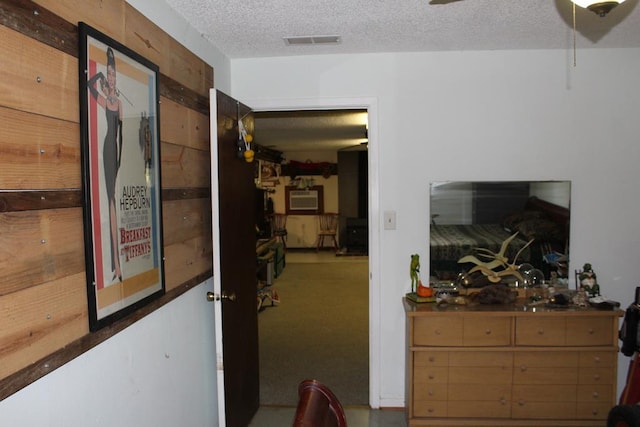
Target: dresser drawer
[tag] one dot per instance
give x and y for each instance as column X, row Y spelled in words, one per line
column 486, row 331
column 588, row 331
column 480, row 392
column 595, row 376
column 430, row 358
column 543, row 410
column 437, row 331
column 427, row 392
column 479, row 409
column 544, row 401
column 541, row 375
column 593, row 411
column 597, row 359
column 596, row 393
column 481, row 375
column 430, row 375
column 481, row 359
column 540, row 331
column 546, row 359
column 431, row 408
column 544, row 393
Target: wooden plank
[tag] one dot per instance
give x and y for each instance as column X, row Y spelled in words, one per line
column 186, row 193
column 186, row 68
column 174, row 122
column 39, row 246
column 178, row 92
column 146, row 38
column 105, row 16
column 186, row 259
column 38, row 152
column 199, row 130
column 174, row 59
column 37, row 78
column 185, row 167
column 12, row 201
column 177, row 61
column 41, row 24
column 183, row 126
column 40, row 320
column 186, row 219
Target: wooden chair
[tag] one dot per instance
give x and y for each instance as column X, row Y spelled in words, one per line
column 328, row 227
column 279, row 227
column 318, row 407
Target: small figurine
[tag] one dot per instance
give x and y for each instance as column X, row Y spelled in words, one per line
column 580, row 299
column 588, row 281
column 415, row 271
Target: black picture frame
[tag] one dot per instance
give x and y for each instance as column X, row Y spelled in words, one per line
column 120, row 148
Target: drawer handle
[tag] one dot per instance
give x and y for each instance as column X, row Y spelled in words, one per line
column 540, row 331
column 591, row 332
column 596, row 395
column 521, row 402
column 597, row 359
column 487, row 332
column 431, row 376
column 523, row 368
column 432, row 359
column 596, row 377
column 430, row 410
column 595, row 412
column 437, row 332
column 503, row 401
column 430, row 393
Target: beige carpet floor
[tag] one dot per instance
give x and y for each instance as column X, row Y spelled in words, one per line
column 319, row 330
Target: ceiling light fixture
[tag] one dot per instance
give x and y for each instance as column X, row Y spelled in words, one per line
column 598, row 7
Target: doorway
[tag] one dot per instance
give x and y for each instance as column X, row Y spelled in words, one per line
column 370, row 105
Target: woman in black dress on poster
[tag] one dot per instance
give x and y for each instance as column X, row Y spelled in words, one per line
column 112, row 150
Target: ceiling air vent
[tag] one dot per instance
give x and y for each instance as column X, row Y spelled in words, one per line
column 300, row 40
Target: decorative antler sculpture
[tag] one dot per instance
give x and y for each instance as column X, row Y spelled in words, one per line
column 497, row 261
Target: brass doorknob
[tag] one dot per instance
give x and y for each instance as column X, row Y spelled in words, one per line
column 224, row 296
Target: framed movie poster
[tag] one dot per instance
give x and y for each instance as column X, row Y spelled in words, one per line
column 120, row 140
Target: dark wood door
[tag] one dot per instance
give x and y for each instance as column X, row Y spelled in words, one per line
column 237, row 240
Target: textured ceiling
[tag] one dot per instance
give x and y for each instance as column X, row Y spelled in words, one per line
column 250, row 28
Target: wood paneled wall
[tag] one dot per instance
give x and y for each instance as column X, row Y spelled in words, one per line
column 43, row 302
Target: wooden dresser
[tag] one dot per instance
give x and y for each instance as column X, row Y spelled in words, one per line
column 510, row 365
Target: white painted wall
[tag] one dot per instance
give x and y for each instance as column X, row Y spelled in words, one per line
column 484, row 116
column 158, row 372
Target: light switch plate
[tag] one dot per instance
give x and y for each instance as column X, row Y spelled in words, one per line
column 390, row 220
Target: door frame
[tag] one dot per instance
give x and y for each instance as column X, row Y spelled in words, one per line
column 371, row 105
column 215, row 231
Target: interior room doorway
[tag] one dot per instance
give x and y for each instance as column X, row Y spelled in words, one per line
column 371, row 216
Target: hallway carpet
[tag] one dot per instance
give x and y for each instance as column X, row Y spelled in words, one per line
column 320, row 330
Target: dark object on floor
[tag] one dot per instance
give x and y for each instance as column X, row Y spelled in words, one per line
column 624, row 416
column 318, row 407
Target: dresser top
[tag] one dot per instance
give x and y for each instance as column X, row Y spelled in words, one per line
column 518, row 308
